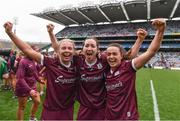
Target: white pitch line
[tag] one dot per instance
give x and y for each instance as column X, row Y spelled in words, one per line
column 156, row 110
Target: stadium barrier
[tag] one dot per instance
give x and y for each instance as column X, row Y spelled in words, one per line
column 175, row 68
column 158, row 67
column 172, row 68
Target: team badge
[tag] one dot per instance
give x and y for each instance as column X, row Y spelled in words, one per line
column 99, row 65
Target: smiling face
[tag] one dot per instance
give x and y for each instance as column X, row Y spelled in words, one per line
column 66, row 50
column 90, row 49
column 114, row 56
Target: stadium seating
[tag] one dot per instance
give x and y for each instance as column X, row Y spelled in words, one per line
column 114, row 30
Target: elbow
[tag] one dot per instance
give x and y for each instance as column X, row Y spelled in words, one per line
column 152, row 52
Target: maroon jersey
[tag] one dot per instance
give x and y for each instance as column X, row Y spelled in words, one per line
column 27, row 76
column 60, row 91
column 18, row 59
column 91, row 84
column 39, row 67
column 65, row 114
column 121, row 94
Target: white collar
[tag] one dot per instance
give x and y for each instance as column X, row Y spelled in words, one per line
column 90, row 64
column 67, row 66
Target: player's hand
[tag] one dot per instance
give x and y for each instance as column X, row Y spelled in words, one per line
column 141, row 33
column 78, row 52
column 50, row 27
column 8, row 27
column 99, row 54
column 33, row 93
column 42, row 81
column 159, row 24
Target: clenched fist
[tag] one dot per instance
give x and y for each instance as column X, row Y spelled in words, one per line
column 8, row 27
column 141, row 33
column 159, row 24
column 50, row 27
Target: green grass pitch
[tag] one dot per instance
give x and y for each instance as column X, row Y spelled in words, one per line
column 167, row 88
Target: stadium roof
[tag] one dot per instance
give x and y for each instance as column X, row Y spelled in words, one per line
column 113, row 12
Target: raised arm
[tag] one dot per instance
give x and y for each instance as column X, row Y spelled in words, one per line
column 141, row 35
column 159, row 25
column 24, row 47
column 54, row 42
column 133, row 52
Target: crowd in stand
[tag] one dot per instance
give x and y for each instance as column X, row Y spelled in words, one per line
column 166, row 60
column 111, row 30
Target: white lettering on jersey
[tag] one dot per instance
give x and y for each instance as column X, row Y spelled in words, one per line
column 114, row 86
column 116, row 73
column 91, row 79
column 60, row 79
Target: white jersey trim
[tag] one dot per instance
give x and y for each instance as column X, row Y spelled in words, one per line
column 67, row 66
column 133, row 65
column 42, row 60
column 91, row 64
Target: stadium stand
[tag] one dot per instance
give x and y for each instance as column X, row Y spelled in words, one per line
column 117, row 21
column 115, row 30
column 7, row 44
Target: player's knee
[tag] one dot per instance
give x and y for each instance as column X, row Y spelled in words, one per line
column 22, row 107
column 6, row 76
column 37, row 102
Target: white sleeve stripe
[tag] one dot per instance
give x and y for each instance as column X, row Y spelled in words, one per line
column 42, row 59
column 133, row 65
